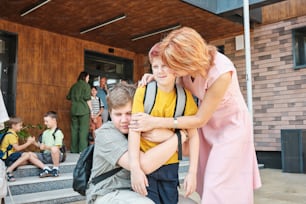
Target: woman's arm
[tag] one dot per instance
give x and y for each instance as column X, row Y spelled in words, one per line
column 190, row 181
column 211, row 100
column 90, row 106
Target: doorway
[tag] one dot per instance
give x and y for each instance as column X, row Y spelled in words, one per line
column 114, row 68
column 8, row 70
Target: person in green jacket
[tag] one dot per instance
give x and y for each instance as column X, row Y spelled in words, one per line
column 80, row 96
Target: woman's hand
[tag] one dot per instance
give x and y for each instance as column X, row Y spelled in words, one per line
column 146, row 78
column 141, row 122
column 190, row 184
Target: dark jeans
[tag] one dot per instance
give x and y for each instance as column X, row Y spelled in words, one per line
column 12, row 158
column 163, row 184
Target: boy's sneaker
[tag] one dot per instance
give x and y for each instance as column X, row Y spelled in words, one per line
column 45, row 173
column 55, row 173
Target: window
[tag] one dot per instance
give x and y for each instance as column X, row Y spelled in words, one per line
column 299, row 47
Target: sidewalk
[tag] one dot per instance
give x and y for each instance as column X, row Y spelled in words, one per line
column 281, row 188
column 277, row 188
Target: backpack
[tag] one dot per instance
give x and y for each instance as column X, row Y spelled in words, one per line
column 82, row 171
column 149, row 101
column 8, row 148
column 62, row 148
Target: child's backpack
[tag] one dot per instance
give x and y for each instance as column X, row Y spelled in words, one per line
column 149, row 101
column 62, row 148
column 8, row 148
column 150, row 96
column 82, row 171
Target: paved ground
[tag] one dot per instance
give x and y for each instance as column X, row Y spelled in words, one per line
column 278, row 188
column 281, row 188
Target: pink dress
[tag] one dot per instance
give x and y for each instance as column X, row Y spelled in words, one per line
column 228, row 171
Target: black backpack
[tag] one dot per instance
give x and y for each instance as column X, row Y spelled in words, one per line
column 8, row 148
column 82, row 171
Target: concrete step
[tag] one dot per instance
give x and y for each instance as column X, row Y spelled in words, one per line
column 46, row 197
column 29, row 188
column 30, row 170
column 32, row 184
column 184, row 166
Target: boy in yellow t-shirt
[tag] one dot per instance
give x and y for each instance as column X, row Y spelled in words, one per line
column 15, row 157
column 161, row 185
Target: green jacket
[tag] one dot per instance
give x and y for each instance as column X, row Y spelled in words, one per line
column 79, row 94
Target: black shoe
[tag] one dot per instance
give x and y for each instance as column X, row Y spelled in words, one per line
column 10, row 177
column 45, row 173
column 55, row 173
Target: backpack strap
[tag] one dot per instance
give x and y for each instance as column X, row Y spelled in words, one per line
column 149, row 101
column 63, row 147
column 53, row 134
column 105, row 175
column 150, row 96
column 179, row 111
column 180, row 101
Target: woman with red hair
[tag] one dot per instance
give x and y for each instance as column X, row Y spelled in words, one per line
column 227, row 170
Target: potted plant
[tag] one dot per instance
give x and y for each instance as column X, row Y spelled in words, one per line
column 30, row 130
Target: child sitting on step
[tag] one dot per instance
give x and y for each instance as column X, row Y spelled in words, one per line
column 13, row 155
column 51, row 142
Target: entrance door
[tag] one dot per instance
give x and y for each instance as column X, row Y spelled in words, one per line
column 114, row 68
column 8, row 70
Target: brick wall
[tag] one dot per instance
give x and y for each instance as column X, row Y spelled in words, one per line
column 279, row 91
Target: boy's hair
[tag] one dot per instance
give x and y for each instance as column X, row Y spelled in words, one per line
column 154, row 52
column 51, row 114
column 94, row 87
column 120, row 95
column 14, row 121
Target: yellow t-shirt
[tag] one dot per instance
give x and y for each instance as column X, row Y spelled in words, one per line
column 164, row 107
column 10, row 138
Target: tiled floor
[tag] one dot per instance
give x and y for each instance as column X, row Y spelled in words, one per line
column 278, row 188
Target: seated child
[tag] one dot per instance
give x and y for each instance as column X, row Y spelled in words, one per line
column 52, row 140
column 14, row 157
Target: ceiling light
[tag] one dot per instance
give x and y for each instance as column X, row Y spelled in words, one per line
column 155, row 32
column 112, row 20
column 33, row 8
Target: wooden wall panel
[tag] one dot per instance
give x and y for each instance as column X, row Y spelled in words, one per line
column 48, row 64
column 283, row 10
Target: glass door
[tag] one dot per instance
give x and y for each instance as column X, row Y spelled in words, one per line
column 8, row 72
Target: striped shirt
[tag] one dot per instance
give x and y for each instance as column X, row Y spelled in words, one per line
column 96, row 104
